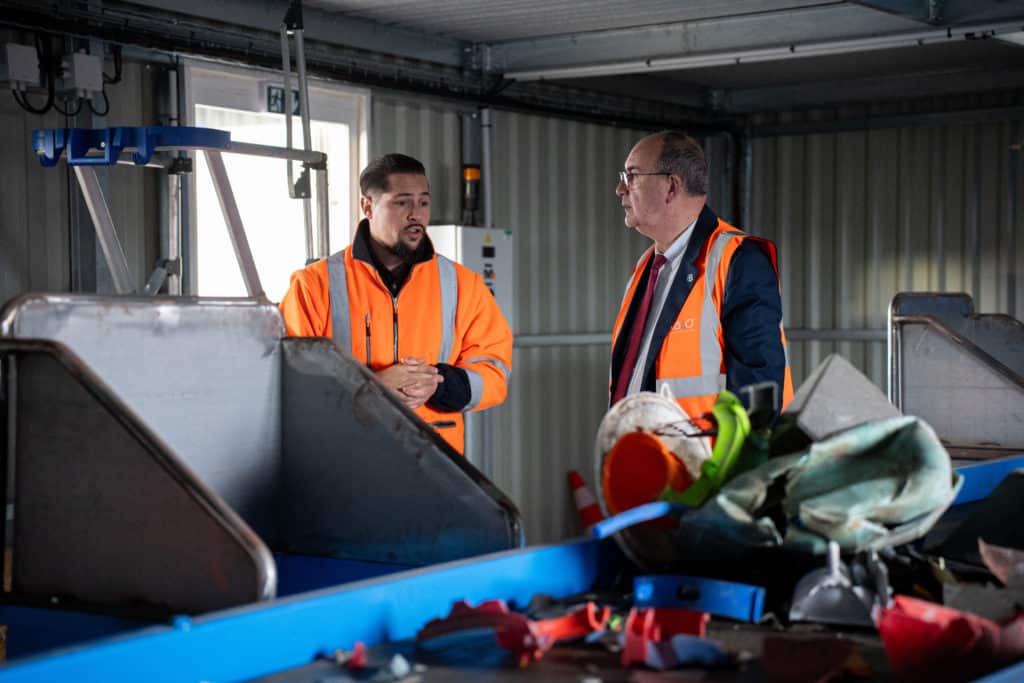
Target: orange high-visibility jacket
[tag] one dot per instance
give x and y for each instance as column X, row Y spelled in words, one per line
column 700, row 350
column 443, row 313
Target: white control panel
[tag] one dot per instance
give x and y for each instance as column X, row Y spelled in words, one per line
column 487, row 251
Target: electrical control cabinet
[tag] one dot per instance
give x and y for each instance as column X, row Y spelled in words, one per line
column 487, row 251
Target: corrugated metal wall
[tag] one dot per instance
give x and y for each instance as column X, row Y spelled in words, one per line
column 33, row 208
column 34, row 226
column 431, row 132
column 554, row 186
column 861, row 215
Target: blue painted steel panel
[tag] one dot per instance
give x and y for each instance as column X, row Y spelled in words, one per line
column 302, row 573
column 240, row 644
column 983, row 478
column 641, row 513
column 1011, row 674
column 723, row 598
column 33, row 630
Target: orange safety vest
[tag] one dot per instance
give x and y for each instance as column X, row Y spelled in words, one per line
column 691, row 360
column 443, row 313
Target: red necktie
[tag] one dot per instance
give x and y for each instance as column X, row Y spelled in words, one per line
column 637, row 333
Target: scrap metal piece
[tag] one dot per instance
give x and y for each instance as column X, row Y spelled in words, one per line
column 829, row 596
column 1006, row 563
column 835, row 397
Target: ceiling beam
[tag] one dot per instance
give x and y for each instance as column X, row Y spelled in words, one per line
column 869, row 123
column 871, row 90
column 776, row 53
column 833, row 21
column 947, row 12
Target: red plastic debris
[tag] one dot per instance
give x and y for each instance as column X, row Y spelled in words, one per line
column 658, row 624
column 925, row 641
column 354, row 660
column 357, row 660
column 526, row 639
column 582, row 622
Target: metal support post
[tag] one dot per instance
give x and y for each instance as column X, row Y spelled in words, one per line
column 292, row 25
column 323, row 214
column 109, row 243
column 307, row 136
column 174, row 232
column 289, row 104
column 488, row 163
column 233, row 221
column 10, row 379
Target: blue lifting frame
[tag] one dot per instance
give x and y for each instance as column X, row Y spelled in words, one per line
column 110, row 142
column 85, row 148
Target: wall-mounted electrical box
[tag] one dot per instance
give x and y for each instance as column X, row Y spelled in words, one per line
column 487, row 251
column 83, row 74
column 22, row 66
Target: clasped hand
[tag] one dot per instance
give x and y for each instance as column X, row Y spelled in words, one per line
column 412, row 380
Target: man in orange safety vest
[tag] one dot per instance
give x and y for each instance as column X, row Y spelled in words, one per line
column 429, row 328
column 702, row 311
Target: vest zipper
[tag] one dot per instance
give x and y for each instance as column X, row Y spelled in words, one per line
column 394, row 309
column 368, row 340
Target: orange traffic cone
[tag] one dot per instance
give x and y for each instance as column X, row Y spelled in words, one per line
column 636, row 471
column 586, row 507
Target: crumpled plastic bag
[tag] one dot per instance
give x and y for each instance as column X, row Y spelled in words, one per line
column 876, row 485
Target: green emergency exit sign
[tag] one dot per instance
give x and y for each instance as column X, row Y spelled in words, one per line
column 275, row 100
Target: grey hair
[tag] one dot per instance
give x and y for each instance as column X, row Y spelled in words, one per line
column 683, row 156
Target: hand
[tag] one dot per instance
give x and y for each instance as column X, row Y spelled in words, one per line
column 412, row 380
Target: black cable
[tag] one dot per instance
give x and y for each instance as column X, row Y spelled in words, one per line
column 68, row 112
column 106, row 100
column 116, row 78
column 23, row 102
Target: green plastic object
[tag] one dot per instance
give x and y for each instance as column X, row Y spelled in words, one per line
column 733, row 426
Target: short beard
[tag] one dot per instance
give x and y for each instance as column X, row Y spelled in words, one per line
column 401, row 250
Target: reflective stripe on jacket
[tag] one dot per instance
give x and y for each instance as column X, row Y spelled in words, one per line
column 443, row 313
column 694, row 359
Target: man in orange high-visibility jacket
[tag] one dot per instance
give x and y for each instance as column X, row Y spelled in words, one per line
column 713, row 318
column 429, row 328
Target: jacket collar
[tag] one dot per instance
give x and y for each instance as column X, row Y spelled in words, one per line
column 707, row 222
column 361, row 250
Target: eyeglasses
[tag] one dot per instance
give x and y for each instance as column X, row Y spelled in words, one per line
column 626, row 177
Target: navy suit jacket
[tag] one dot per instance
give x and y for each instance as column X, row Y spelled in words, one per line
column 751, row 314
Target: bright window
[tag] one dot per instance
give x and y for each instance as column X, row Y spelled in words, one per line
column 236, row 101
